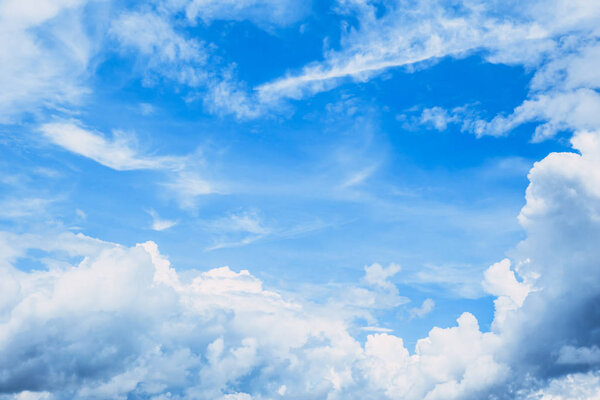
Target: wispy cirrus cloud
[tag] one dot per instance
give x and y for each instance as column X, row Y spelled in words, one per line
column 36, row 73
column 123, row 152
column 557, row 39
column 160, row 224
column 120, row 152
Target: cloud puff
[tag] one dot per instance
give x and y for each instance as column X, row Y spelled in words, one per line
column 424, row 309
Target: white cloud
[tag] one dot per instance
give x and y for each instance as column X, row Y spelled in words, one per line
column 376, row 329
column 238, row 229
column 582, row 386
column 437, row 117
column 406, row 34
column 166, row 52
column 377, row 275
column 188, row 186
column 120, row 152
column 123, row 322
column 556, row 110
column 460, row 280
column 159, row 224
column 36, row 72
column 227, row 96
column 501, row 282
column 359, row 176
column 158, row 39
column 261, row 12
column 13, row 208
column 123, row 152
column 558, row 38
column 424, row 309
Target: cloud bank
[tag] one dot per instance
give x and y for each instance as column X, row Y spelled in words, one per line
column 102, row 320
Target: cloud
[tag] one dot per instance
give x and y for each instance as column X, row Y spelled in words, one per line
column 189, row 186
column 159, row 224
column 579, row 355
column 557, row 260
column 17, row 208
column 377, row 275
column 261, row 12
column 500, row 281
column 226, row 96
column 461, row 280
column 119, row 153
column 238, row 229
column 103, row 320
column 123, row 152
column 122, row 322
column 582, row 386
column 406, row 34
column 160, row 42
column 35, row 72
column 437, row 117
column 359, row 177
column 166, row 52
column 558, row 39
column 424, row 309
column 557, row 111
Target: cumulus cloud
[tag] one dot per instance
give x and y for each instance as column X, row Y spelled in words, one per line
column 500, row 281
column 582, row 386
column 122, row 322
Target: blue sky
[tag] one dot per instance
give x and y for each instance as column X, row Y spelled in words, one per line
column 365, row 161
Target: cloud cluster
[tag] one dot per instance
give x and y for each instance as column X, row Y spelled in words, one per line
column 106, row 321
column 158, row 39
column 559, row 39
column 123, row 323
